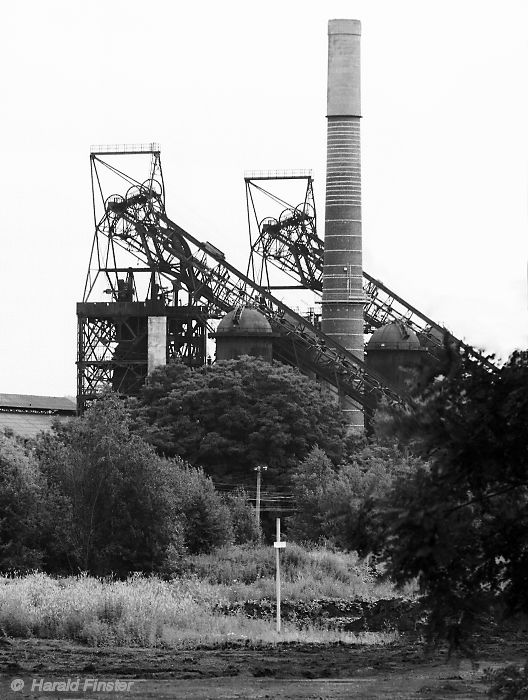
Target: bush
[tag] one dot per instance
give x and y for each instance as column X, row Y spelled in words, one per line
column 110, row 484
column 22, row 508
column 343, row 505
column 248, row 572
column 461, row 525
column 120, row 507
column 205, row 517
column 243, row 517
column 311, row 480
column 509, row 683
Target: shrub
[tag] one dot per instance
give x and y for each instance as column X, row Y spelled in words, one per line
column 243, row 517
column 110, row 485
column 117, row 506
column 509, row 683
column 460, row 527
column 205, row 517
column 343, row 505
column 248, row 572
column 21, row 506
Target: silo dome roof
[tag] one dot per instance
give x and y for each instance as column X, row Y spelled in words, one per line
column 395, row 336
column 244, row 321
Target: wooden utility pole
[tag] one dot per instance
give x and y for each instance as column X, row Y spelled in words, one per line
column 259, row 471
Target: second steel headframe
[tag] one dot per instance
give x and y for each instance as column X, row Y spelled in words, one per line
column 290, row 244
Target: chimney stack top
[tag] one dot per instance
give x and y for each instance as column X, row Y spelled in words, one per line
column 344, row 26
column 344, row 92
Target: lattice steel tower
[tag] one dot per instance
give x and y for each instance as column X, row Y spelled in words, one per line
column 133, row 316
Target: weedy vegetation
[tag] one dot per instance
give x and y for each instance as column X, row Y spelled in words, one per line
column 508, row 683
column 181, row 611
column 247, row 572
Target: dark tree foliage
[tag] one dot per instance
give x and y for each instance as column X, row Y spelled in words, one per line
column 357, row 498
column 245, row 529
column 111, row 483
column 460, row 524
column 345, row 505
column 193, row 501
column 22, row 506
column 312, row 481
column 115, row 506
column 237, row 414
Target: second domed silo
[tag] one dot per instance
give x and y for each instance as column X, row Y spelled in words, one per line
column 395, row 352
column 244, row 331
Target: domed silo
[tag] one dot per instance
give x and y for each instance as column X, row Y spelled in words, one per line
column 434, row 342
column 244, row 331
column 396, row 353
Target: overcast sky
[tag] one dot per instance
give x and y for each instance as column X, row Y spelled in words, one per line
column 229, row 86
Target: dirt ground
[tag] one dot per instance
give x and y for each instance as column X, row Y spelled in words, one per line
column 398, row 671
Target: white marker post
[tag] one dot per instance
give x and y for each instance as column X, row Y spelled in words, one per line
column 278, row 545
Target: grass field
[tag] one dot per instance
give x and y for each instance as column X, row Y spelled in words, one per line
column 179, row 612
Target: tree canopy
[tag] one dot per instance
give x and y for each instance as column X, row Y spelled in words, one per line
column 344, row 505
column 113, row 483
column 118, row 506
column 236, row 414
column 460, row 523
column 22, row 506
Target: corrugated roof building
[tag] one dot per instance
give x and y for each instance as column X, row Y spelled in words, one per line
column 27, row 415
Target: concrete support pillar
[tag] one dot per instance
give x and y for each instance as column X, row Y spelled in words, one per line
column 157, row 342
column 342, row 303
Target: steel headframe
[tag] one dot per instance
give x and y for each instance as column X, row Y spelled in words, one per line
column 106, row 171
column 293, row 246
column 286, row 240
column 112, row 334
